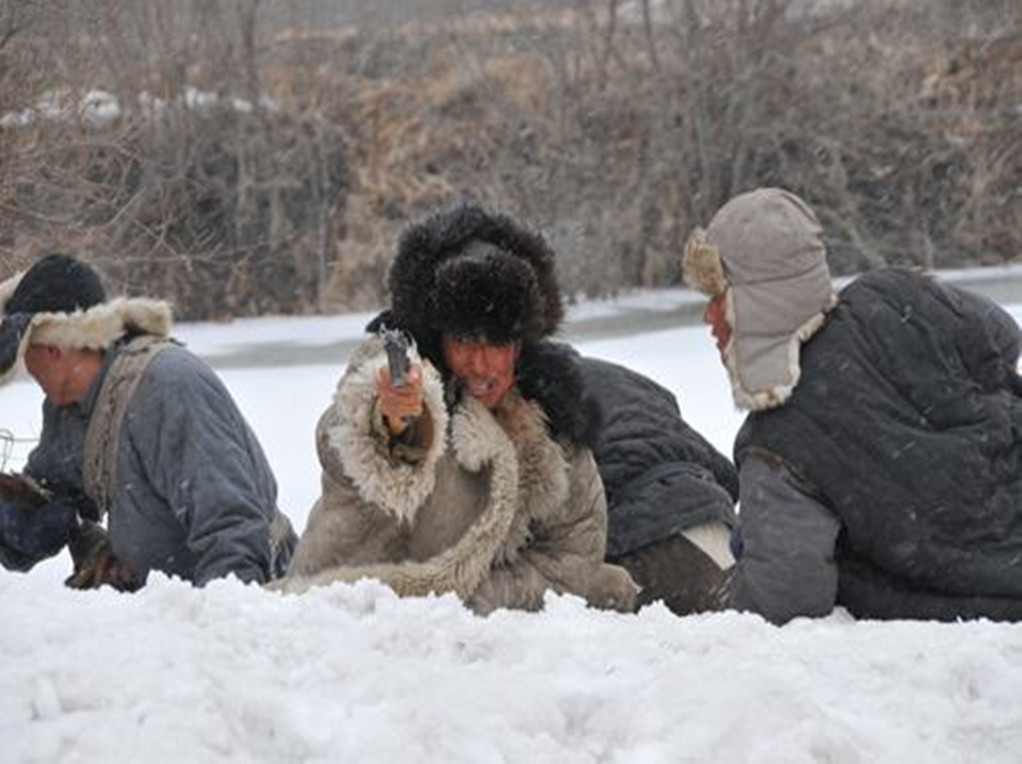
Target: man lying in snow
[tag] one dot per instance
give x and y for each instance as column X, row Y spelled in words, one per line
column 474, row 474
column 137, row 431
column 881, row 466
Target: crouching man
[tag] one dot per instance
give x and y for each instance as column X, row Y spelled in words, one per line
column 473, row 474
column 138, row 432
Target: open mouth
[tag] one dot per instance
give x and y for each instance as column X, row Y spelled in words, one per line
column 478, row 388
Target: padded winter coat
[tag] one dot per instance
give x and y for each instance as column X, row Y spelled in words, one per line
column 495, row 510
column 193, row 495
column 891, row 481
column 661, row 476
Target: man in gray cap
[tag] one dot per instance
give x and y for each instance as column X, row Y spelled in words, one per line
column 136, row 430
column 881, row 463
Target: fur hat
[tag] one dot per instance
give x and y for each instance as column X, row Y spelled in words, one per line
column 60, row 301
column 473, row 273
column 764, row 252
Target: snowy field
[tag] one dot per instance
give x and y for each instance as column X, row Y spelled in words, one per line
column 352, row 674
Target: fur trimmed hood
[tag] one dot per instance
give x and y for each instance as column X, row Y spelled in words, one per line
column 94, row 327
column 764, row 252
column 470, row 272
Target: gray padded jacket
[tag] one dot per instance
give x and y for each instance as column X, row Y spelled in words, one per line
column 194, row 495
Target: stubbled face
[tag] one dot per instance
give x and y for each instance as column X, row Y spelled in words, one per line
column 63, row 374
column 486, row 371
column 716, row 316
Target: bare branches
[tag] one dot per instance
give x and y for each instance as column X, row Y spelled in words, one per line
column 243, row 156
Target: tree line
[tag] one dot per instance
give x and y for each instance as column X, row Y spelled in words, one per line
column 243, row 158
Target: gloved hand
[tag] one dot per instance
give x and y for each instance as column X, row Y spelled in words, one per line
column 35, row 532
column 612, row 588
column 95, row 563
column 737, row 543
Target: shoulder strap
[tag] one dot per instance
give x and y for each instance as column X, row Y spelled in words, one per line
column 99, row 454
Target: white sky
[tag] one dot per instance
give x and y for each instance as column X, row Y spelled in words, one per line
column 351, row 673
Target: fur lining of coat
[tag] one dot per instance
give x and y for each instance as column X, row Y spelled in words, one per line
column 528, row 480
column 778, row 394
column 398, row 488
column 543, row 481
column 460, row 568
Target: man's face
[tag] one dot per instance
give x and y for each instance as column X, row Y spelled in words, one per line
column 55, row 369
column 716, row 316
column 486, row 371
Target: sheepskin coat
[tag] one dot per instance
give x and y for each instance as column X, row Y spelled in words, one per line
column 496, row 510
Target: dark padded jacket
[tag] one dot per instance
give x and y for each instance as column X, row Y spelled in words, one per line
column 906, row 427
column 660, row 475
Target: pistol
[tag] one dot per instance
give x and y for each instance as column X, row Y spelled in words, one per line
column 396, row 343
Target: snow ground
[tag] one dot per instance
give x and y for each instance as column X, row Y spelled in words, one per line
column 351, row 673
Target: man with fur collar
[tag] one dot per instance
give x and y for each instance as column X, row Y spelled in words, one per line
column 475, row 476
column 881, row 466
column 137, row 430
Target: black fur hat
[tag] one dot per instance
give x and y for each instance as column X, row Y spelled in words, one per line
column 56, row 284
column 473, row 273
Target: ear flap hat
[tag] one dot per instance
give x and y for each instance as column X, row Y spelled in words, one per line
column 764, row 252
column 60, row 301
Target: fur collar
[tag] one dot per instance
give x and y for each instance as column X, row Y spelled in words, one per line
column 543, row 471
column 477, row 441
column 94, row 329
column 549, row 374
column 528, row 481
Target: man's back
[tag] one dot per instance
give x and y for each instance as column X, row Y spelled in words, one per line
column 906, row 421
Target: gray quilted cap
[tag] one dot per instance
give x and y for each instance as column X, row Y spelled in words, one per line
column 771, row 249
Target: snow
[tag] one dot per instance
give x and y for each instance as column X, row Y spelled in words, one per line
column 96, row 108
column 100, row 109
column 352, row 673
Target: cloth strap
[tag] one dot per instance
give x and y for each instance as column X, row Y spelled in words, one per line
column 99, row 454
